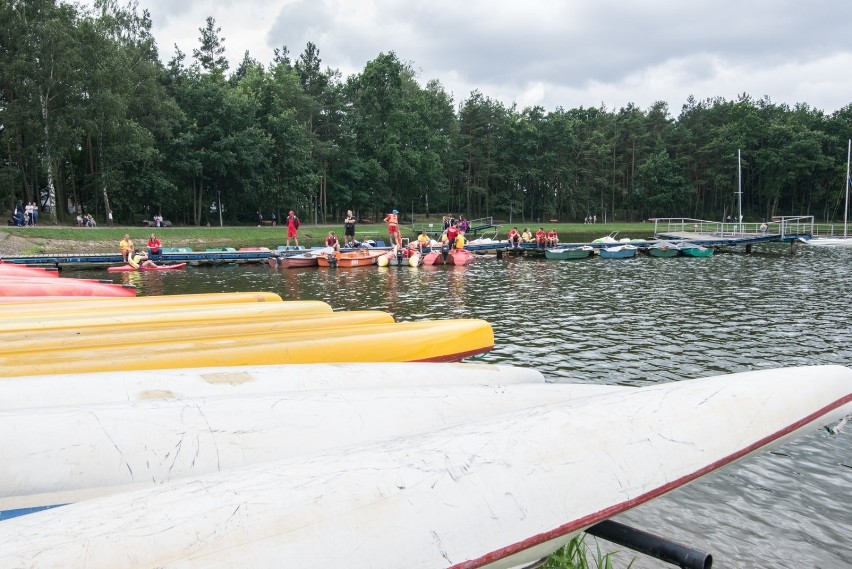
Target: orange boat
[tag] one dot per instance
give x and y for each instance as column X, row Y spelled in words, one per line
column 357, row 258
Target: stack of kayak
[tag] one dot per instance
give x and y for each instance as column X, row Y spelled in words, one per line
column 362, row 466
column 239, row 430
column 219, row 330
column 25, row 281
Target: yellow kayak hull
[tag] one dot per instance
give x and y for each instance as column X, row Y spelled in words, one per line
column 38, row 305
column 432, row 341
column 140, row 337
column 245, row 312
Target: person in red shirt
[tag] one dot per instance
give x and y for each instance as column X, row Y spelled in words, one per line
column 154, row 245
column 540, row 237
column 392, row 219
column 293, row 224
column 332, row 241
column 552, row 238
column 452, row 233
column 514, row 238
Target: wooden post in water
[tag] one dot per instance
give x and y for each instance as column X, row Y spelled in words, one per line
column 748, row 248
column 794, row 246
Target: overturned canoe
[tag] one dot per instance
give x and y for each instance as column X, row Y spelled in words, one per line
column 70, row 452
column 499, row 492
column 136, row 386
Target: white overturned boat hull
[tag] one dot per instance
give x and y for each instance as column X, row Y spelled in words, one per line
column 829, row 241
column 79, row 452
column 135, row 386
column 498, row 492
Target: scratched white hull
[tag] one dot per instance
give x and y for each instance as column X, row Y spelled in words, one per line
column 497, row 492
column 110, row 387
column 82, row 451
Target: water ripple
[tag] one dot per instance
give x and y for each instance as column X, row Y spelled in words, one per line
column 635, row 322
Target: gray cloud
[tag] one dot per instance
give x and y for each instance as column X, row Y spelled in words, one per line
column 582, row 52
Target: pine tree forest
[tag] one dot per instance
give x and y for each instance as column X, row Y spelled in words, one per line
column 92, row 121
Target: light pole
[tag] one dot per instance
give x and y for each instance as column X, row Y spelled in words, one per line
column 219, row 200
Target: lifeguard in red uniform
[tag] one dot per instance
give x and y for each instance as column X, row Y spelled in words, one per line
column 452, row 233
column 392, row 219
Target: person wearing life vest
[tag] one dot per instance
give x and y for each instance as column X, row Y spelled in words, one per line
column 392, row 219
column 138, row 260
column 293, row 224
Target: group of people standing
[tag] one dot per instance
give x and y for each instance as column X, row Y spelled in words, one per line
column 25, row 214
column 541, row 238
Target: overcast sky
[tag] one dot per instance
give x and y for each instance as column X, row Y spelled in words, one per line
column 570, row 53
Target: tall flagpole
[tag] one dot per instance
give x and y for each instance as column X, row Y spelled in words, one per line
column 848, row 181
column 740, row 190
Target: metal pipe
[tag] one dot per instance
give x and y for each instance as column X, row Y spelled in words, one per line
column 652, row 545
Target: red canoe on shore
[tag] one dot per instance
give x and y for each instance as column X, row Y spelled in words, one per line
column 12, row 270
column 32, row 286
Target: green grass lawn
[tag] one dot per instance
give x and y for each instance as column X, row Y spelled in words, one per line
column 59, row 239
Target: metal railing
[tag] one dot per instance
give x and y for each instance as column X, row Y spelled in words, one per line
column 781, row 225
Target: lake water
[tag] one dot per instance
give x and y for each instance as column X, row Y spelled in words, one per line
column 635, row 322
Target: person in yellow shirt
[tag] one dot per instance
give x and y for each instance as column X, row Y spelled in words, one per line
column 460, row 241
column 526, row 236
column 423, row 241
column 126, row 247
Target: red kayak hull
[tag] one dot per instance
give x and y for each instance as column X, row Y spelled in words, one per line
column 63, row 287
column 128, row 268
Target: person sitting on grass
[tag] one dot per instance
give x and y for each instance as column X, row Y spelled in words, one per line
column 139, row 260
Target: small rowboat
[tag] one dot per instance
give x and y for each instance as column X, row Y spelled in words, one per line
column 299, row 261
column 619, row 252
column 357, row 258
column 664, row 249
column 696, row 251
column 567, row 253
column 129, row 268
